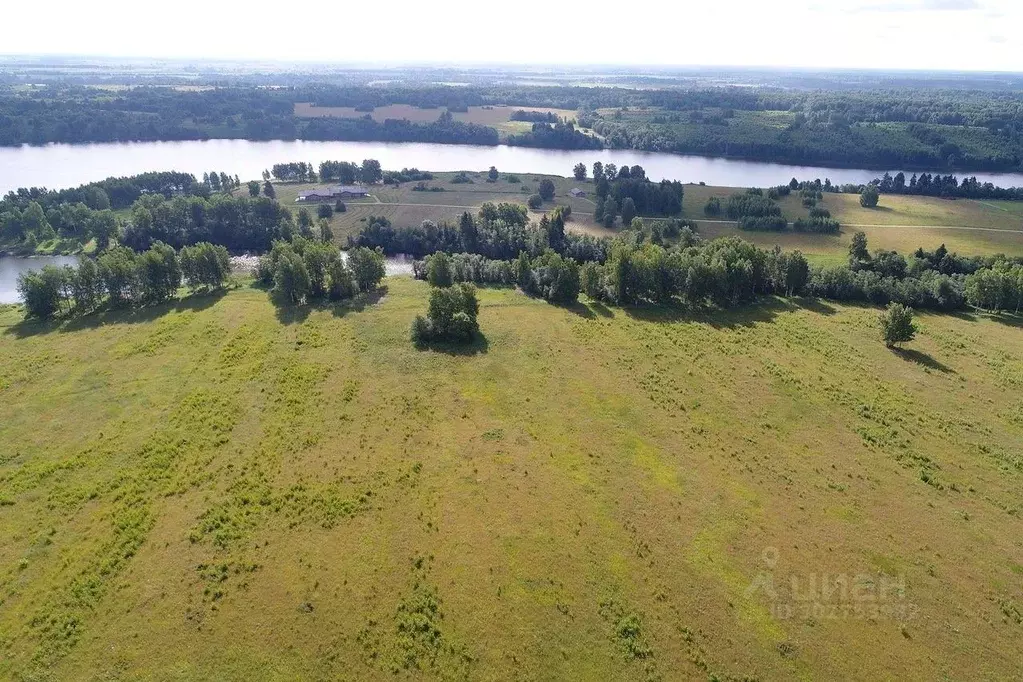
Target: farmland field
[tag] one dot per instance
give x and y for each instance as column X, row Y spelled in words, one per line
column 216, row 489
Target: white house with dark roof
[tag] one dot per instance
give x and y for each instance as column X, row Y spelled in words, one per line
column 331, row 193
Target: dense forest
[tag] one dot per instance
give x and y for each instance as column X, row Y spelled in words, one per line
column 900, row 127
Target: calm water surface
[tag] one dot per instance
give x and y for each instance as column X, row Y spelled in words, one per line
column 11, row 267
column 63, row 165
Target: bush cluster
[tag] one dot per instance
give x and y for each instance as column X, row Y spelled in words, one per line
column 121, row 277
column 451, row 316
column 304, row 269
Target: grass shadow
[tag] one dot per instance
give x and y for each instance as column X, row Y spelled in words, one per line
column 192, row 302
column 760, row 311
column 296, row 313
column 922, row 359
column 477, row 346
column 961, row 315
column 1009, row 319
column 577, row 308
column 814, row 305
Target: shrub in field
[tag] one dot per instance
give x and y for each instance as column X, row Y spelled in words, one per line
column 897, row 326
column 451, row 316
column 869, row 196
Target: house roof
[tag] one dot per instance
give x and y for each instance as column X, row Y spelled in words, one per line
column 316, row 193
column 336, row 190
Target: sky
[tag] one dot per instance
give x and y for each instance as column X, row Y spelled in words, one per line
column 971, row 35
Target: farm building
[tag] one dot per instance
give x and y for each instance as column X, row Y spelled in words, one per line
column 331, row 193
column 576, row 192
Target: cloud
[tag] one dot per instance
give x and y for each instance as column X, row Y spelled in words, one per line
column 921, row 6
column 954, row 5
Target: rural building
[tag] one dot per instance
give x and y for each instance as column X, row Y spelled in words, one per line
column 335, row 192
column 576, row 192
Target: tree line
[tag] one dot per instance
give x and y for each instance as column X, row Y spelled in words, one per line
column 114, row 193
column 730, row 271
column 947, row 186
column 121, row 277
column 907, row 127
column 32, row 215
column 560, row 135
column 498, row 231
column 239, row 223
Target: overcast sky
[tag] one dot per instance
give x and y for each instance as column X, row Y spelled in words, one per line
column 908, row 34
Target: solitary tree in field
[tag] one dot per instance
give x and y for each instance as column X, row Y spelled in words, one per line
column 268, row 190
column 492, row 174
column 579, row 172
column 869, row 196
column 897, row 325
column 546, row 189
column 253, row 188
column 858, row 253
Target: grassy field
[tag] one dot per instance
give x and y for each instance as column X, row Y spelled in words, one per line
column 221, row 490
column 494, row 116
column 404, row 206
column 900, row 223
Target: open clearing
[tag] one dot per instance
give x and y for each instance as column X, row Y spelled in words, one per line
column 901, row 223
column 220, row 490
column 495, row 116
column 404, row 206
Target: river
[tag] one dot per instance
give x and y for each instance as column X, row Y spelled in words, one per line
column 63, row 165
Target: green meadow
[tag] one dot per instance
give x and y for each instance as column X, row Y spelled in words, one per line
column 900, row 223
column 218, row 489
